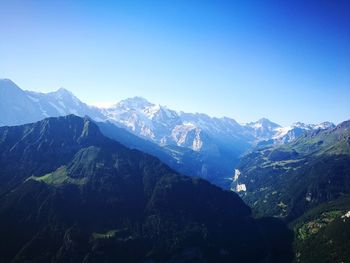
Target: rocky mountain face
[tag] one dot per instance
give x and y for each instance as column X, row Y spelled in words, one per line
column 263, row 129
column 168, row 127
column 69, row 194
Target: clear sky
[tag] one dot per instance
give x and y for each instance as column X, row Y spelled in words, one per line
column 285, row 60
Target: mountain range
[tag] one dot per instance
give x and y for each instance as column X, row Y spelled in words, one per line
column 70, row 194
column 121, row 184
column 192, row 143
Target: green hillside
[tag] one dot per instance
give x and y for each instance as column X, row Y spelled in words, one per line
column 285, row 181
column 69, row 194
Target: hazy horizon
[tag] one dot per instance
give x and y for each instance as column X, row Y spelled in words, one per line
column 287, row 62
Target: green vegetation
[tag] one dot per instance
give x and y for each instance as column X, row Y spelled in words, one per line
column 113, row 204
column 307, row 183
column 323, row 233
column 59, row 177
column 108, row 234
column 312, row 227
column 305, row 173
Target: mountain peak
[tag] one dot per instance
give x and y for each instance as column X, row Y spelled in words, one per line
column 70, row 126
column 4, row 80
column 263, row 119
column 325, row 125
column 321, row 126
column 301, row 125
column 344, row 125
column 135, row 103
column 7, row 84
column 63, row 92
column 264, row 123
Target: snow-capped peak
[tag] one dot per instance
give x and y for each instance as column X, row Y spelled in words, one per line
column 7, row 81
column 152, row 110
column 63, row 91
column 152, row 121
column 9, row 86
column 282, row 131
column 262, row 123
column 301, row 125
column 289, row 133
column 136, row 103
column 324, row 125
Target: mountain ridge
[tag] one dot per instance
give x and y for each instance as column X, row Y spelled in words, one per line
column 140, row 103
column 315, row 167
column 210, row 146
column 79, row 196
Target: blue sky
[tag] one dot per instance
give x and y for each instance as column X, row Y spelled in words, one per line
column 285, row 60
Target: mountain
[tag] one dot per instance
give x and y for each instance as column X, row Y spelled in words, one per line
column 19, row 107
column 70, row 194
column 210, row 166
column 143, row 118
column 16, row 107
column 168, row 127
column 200, row 132
column 282, row 135
column 291, row 133
column 192, row 143
column 204, row 146
column 286, row 180
column 263, row 129
column 307, row 183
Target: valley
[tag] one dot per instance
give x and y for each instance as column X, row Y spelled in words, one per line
column 69, row 193
column 174, row 131
column 114, row 178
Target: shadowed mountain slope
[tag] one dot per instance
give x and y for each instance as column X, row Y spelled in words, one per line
column 69, row 194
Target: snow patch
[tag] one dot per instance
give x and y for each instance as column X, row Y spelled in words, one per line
column 347, row 215
column 62, row 104
column 308, row 197
column 241, row 188
column 60, row 111
column 33, row 99
column 237, row 174
column 282, row 131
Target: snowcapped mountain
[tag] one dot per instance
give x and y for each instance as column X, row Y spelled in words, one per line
column 262, row 129
column 63, row 102
column 209, row 147
column 19, row 107
column 168, row 127
column 290, row 133
column 143, row 118
column 15, row 106
column 195, row 131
